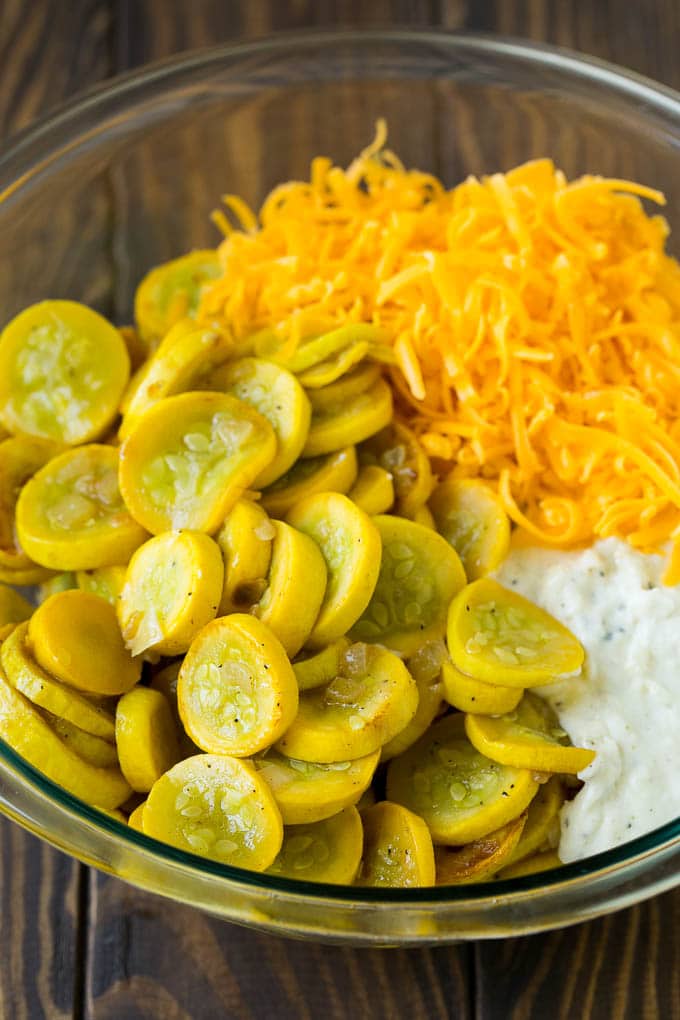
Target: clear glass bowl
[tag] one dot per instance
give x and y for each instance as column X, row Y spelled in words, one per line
column 126, row 177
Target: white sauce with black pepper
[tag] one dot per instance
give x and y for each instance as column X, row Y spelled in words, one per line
column 625, row 703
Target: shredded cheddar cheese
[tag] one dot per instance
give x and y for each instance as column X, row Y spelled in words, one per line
column 534, row 326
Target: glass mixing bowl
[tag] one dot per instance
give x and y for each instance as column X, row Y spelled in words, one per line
column 126, row 177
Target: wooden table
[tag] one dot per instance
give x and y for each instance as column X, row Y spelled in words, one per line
column 77, row 944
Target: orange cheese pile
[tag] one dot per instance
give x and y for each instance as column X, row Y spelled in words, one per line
column 534, row 326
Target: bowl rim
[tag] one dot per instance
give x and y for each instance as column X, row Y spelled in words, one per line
column 20, row 160
column 604, row 862
column 628, row 83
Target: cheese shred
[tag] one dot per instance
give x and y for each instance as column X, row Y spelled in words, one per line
column 534, row 326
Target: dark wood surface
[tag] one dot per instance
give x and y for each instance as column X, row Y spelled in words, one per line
column 76, row 944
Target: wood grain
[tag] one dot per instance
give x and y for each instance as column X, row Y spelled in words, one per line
column 40, row 973
column 49, row 51
column 41, row 68
column 151, row 958
column 152, row 29
column 642, row 36
column 623, row 967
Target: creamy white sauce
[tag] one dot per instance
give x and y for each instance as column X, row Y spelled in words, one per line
column 625, row 702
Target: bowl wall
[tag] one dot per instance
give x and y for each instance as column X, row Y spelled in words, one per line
column 127, row 177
